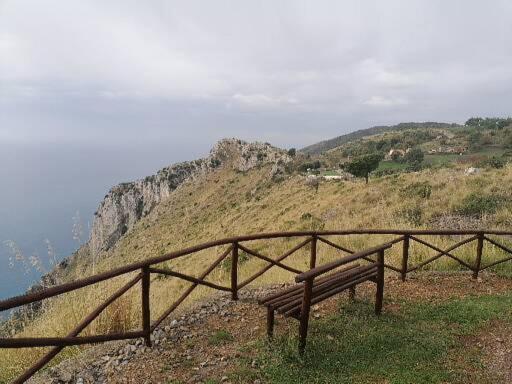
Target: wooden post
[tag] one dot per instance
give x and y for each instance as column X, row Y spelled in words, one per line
column 270, row 321
column 380, row 283
column 146, row 316
column 312, row 260
column 304, row 314
column 234, row 272
column 405, row 257
column 479, row 249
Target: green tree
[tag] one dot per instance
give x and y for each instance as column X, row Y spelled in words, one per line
column 292, row 152
column 362, row 166
column 415, row 155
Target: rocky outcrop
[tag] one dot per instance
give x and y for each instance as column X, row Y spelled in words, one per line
column 127, row 203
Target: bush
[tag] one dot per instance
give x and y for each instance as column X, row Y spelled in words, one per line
column 478, row 204
column 493, row 162
column 413, row 215
column 419, row 189
column 243, row 257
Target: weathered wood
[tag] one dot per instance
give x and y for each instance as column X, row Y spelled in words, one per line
column 148, row 263
column 267, row 267
column 67, row 287
column 323, row 291
column 297, row 290
column 479, row 250
column 494, row 242
column 312, row 258
column 191, row 279
column 304, row 317
column 270, row 322
column 234, row 272
column 146, row 316
column 334, row 245
column 75, row 332
column 293, row 309
column 338, row 263
column 379, row 296
column 268, row 259
column 190, row 289
column 24, row 342
column 405, row 257
column 442, row 253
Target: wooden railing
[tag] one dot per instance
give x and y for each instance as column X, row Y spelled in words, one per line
column 234, row 245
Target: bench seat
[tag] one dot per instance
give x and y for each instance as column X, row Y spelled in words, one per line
column 317, row 285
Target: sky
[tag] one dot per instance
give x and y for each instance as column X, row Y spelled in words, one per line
column 289, row 72
column 93, row 93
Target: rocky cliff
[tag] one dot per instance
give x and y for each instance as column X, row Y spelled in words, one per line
column 127, row 203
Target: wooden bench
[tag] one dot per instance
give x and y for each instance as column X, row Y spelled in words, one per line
column 322, row 282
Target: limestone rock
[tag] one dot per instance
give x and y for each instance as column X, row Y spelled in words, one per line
column 127, row 203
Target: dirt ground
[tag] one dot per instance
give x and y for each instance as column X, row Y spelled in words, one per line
column 196, row 357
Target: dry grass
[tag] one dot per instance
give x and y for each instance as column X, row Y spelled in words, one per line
column 228, row 203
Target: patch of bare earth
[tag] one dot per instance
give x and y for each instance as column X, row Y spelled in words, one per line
column 493, row 345
column 208, row 343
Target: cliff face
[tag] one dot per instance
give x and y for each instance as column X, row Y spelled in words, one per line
column 127, row 203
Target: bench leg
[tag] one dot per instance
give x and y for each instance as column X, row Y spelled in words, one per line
column 352, row 293
column 270, row 322
column 304, row 315
column 379, row 296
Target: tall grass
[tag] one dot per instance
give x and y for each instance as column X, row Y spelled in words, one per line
column 227, row 203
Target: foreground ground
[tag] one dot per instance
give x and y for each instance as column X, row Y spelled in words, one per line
column 435, row 329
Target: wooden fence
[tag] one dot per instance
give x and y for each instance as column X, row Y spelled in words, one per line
column 233, row 246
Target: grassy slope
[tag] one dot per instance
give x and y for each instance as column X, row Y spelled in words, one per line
column 228, row 203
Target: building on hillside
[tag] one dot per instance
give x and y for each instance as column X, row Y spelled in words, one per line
column 395, row 153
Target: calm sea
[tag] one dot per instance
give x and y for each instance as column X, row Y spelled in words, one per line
column 42, row 188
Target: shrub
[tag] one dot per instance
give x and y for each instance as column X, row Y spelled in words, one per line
column 419, row 189
column 243, row 257
column 476, row 204
column 493, row 162
column 413, row 215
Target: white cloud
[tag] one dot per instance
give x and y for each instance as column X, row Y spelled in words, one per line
column 381, row 101
column 345, row 65
column 263, row 101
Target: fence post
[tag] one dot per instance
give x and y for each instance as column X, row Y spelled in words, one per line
column 479, row 249
column 304, row 314
column 312, row 260
column 146, row 316
column 380, row 283
column 405, row 257
column 234, row 272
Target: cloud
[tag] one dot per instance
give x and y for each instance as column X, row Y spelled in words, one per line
column 381, row 101
column 100, row 69
column 264, row 101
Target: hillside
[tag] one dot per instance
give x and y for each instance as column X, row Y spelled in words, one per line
column 251, row 189
column 326, row 145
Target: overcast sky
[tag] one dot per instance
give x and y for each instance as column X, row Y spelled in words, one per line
column 290, row 72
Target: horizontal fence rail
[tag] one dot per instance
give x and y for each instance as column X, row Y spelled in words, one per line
column 234, row 245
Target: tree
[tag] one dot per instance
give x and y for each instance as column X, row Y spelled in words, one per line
column 414, row 158
column 362, row 166
column 292, row 152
